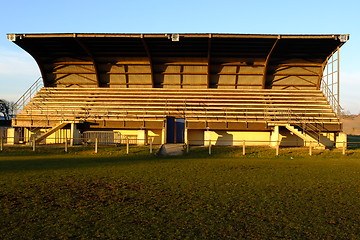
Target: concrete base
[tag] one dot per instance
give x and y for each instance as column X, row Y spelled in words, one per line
column 341, row 140
column 12, row 136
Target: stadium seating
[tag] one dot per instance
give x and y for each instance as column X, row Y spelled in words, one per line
column 232, row 105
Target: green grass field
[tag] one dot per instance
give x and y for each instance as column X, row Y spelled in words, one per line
column 81, row 195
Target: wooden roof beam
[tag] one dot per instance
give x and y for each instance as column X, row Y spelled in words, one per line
column 267, row 62
column 148, row 53
column 209, row 62
column 94, row 63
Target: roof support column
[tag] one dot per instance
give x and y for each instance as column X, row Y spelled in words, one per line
column 266, row 65
column 146, row 47
column 209, row 63
column 86, row 50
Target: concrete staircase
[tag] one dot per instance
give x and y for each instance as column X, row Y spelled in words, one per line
column 51, row 131
column 303, row 136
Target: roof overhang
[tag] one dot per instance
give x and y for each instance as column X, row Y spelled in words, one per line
column 212, row 59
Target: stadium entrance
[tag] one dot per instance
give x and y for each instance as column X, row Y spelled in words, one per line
column 175, row 130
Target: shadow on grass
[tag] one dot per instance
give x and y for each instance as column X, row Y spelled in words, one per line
column 54, row 158
column 44, row 158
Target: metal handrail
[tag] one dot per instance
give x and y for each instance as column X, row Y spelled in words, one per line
column 29, row 93
column 332, row 99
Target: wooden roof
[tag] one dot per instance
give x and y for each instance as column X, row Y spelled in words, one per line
column 180, row 60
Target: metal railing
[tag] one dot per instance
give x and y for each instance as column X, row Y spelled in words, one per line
column 26, row 97
column 309, row 125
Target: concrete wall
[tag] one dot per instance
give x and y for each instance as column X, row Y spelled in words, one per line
column 139, row 137
column 236, row 138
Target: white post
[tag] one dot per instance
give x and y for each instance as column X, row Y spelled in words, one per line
column 96, row 145
column 344, row 148
column 277, row 148
column 66, row 144
column 150, row 143
column 244, row 152
column 1, row 144
column 72, row 133
column 34, row 145
column 310, row 148
column 209, row 147
column 127, row 145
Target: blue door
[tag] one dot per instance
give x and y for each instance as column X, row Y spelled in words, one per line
column 175, row 130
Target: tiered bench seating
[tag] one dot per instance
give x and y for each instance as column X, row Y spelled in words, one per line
column 53, row 105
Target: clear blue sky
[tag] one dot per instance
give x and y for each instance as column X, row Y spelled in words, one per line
column 18, row 70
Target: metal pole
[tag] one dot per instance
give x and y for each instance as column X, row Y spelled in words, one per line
column 66, row 145
column 344, row 148
column 1, row 144
column 127, row 145
column 310, row 149
column 244, row 152
column 96, row 145
column 338, row 82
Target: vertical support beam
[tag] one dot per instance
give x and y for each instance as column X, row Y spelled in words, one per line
column 126, row 76
column 86, row 50
column 164, row 132
column 141, row 137
column 147, row 50
column 266, row 64
column 338, row 108
column 275, row 137
column 74, row 135
column 181, row 76
column 209, row 63
column 237, row 76
column 207, row 137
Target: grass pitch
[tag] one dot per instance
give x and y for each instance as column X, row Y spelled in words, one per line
column 109, row 195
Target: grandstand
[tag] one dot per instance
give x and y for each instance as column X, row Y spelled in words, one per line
column 197, row 89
